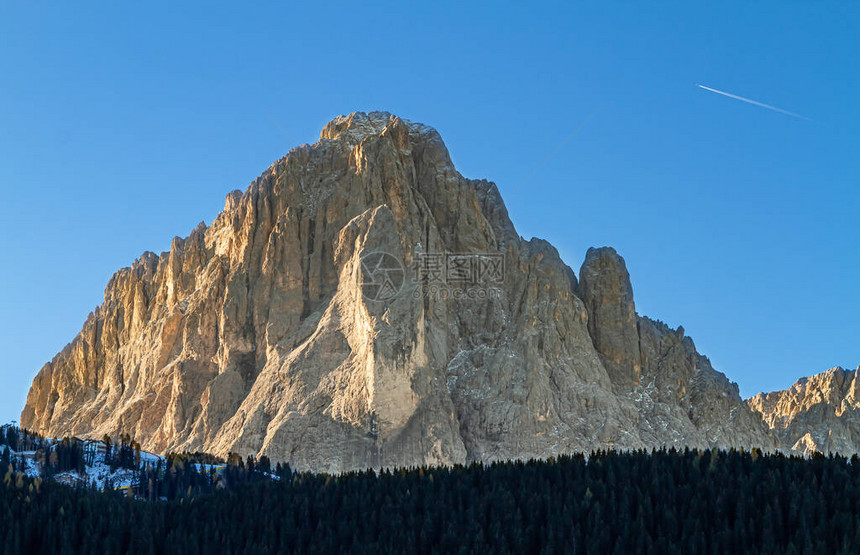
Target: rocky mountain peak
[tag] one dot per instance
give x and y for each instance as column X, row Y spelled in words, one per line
column 361, row 304
column 817, row 413
column 353, row 127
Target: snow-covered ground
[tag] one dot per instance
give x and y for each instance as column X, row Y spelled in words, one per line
column 97, row 471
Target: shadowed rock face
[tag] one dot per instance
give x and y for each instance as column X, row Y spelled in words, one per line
column 819, row 413
column 612, row 321
column 282, row 329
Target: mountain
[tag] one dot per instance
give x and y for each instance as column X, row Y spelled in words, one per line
column 819, row 413
column 362, row 304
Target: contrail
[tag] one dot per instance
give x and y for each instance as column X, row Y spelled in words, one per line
column 750, row 101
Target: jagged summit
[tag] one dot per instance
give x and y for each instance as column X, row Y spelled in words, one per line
column 818, row 413
column 362, row 304
column 353, row 127
column 357, row 125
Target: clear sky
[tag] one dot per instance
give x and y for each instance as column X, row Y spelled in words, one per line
column 121, row 127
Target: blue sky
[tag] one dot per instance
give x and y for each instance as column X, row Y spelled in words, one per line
column 121, row 127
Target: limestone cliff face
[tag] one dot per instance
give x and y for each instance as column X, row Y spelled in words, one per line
column 612, row 322
column 819, row 413
column 363, row 304
column 679, row 398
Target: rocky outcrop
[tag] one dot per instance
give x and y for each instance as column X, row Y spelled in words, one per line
column 820, row 413
column 676, row 392
column 363, row 304
column 612, row 322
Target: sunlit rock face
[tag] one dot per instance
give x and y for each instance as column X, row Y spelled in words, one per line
column 362, row 304
column 819, row 413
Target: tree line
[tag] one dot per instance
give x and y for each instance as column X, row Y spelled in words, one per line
column 663, row 501
column 176, row 476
